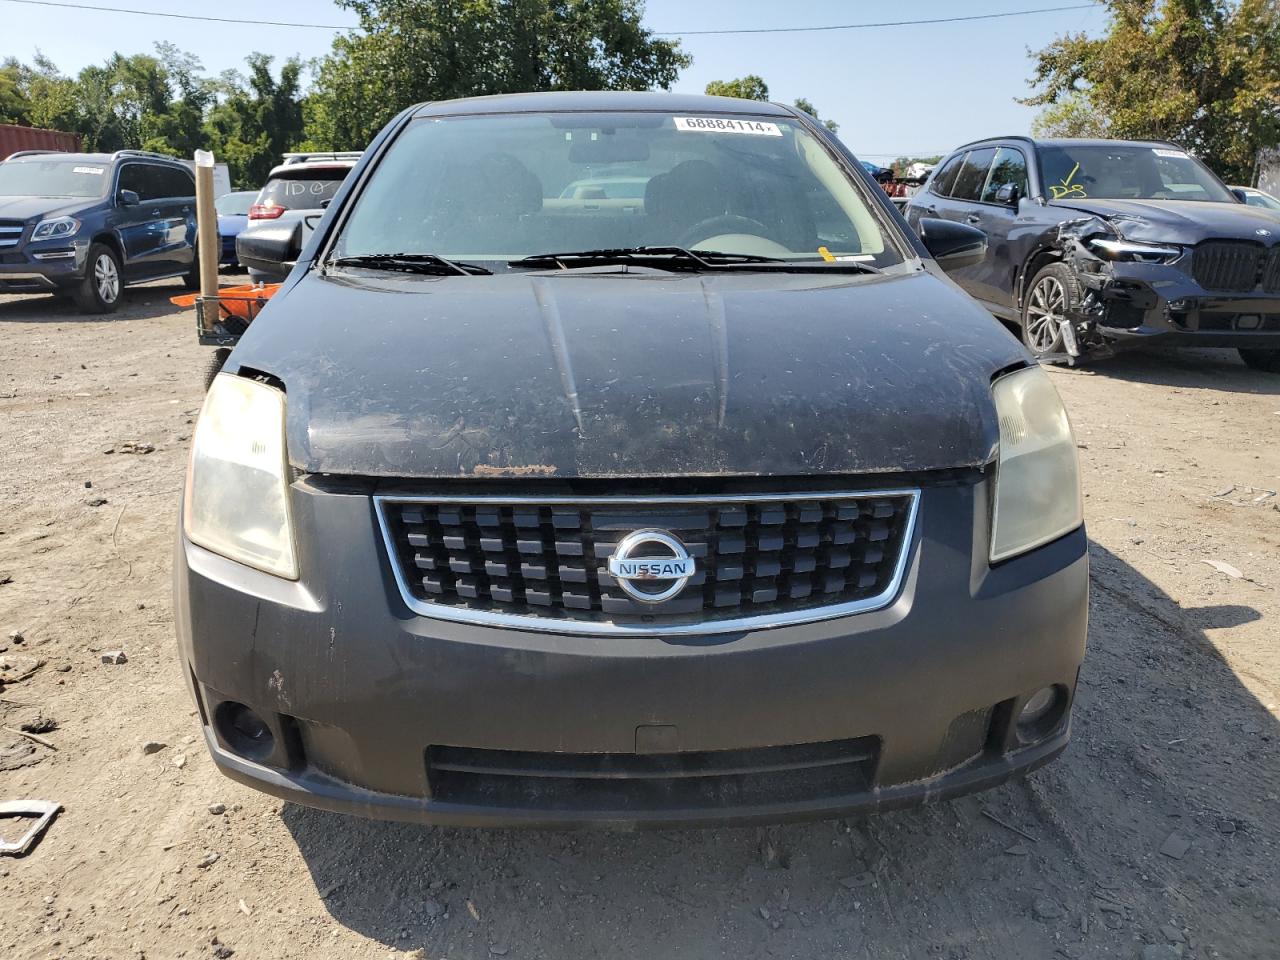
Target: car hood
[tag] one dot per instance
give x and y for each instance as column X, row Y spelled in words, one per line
column 643, row 373
column 1180, row 221
column 26, row 208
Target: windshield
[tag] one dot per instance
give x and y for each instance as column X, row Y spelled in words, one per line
column 1127, row 171
column 504, row 187
column 234, row 204
column 303, row 189
column 1256, row 198
column 53, row 178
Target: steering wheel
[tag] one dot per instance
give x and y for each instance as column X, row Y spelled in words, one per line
column 724, row 223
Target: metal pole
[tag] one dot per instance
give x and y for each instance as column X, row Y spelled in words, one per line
column 208, row 243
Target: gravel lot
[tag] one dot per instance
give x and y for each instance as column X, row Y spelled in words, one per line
column 1157, row 835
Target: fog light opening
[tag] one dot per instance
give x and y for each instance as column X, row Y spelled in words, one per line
column 244, row 731
column 1041, row 713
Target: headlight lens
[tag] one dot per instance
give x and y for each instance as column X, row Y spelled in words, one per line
column 57, row 228
column 1134, row 252
column 237, row 497
column 1037, row 477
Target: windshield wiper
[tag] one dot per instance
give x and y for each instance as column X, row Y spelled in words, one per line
column 671, row 258
column 679, row 258
column 427, row 263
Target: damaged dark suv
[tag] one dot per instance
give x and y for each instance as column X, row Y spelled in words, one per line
column 1102, row 244
column 530, row 499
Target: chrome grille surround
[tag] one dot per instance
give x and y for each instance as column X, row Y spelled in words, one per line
column 654, row 625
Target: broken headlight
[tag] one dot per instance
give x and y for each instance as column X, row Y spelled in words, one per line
column 237, row 495
column 1134, row 252
column 1037, row 477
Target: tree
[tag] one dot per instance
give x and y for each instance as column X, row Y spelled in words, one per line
column 256, row 118
column 752, row 87
column 811, row 110
column 1073, row 115
column 749, row 87
column 407, row 51
column 1203, row 73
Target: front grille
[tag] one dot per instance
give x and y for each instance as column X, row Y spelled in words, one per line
column 715, row 779
column 1271, row 271
column 1227, row 265
column 10, row 233
column 758, row 560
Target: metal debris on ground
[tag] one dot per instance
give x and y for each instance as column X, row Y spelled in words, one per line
column 994, row 817
column 42, row 810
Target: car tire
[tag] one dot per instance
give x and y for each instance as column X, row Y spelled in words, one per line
column 191, row 279
column 1261, row 359
column 1052, row 293
column 101, row 289
column 213, row 366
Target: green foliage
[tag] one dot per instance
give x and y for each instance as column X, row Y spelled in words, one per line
column 1203, row 73
column 749, row 87
column 752, row 87
column 408, row 51
column 804, row 105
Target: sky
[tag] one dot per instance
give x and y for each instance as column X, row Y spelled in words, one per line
column 895, row 91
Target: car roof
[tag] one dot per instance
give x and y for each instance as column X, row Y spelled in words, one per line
column 40, row 155
column 602, row 100
column 1064, row 142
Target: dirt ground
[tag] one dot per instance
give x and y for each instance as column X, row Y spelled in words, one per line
column 1157, row 835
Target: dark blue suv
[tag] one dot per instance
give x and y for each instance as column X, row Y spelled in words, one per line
column 89, row 224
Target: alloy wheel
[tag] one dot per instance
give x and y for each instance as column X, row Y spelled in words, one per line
column 1046, row 310
column 106, row 278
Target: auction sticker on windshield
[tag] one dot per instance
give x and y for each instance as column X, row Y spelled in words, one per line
column 759, row 128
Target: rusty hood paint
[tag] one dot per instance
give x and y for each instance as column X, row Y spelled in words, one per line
column 638, row 373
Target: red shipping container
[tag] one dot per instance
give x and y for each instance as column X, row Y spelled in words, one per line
column 14, row 138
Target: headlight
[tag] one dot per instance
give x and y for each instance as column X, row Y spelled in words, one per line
column 57, row 228
column 237, row 496
column 1037, row 476
column 1134, row 252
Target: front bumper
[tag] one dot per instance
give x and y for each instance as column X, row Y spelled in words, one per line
column 42, row 267
column 365, row 698
column 1140, row 303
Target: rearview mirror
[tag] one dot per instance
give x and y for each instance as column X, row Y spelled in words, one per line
column 128, row 198
column 952, row 245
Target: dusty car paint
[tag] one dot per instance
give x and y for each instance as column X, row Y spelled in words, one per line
column 644, row 374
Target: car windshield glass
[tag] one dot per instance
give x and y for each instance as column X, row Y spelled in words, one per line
column 54, row 178
column 1127, row 171
column 234, row 204
column 504, row 187
column 1256, row 198
column 303, row 189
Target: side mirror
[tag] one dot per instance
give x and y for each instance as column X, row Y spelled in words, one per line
column 128, row 198
column 1240, row 194
column 952, row 245
column 1009, row 194
column 270, row 247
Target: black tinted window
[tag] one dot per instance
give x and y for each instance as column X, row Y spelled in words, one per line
column 973, row 174
column 143, row 179
column 175, row 182
column 1010, row 168
column 945, row 177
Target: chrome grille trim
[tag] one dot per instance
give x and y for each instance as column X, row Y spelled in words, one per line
column 541, row 624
